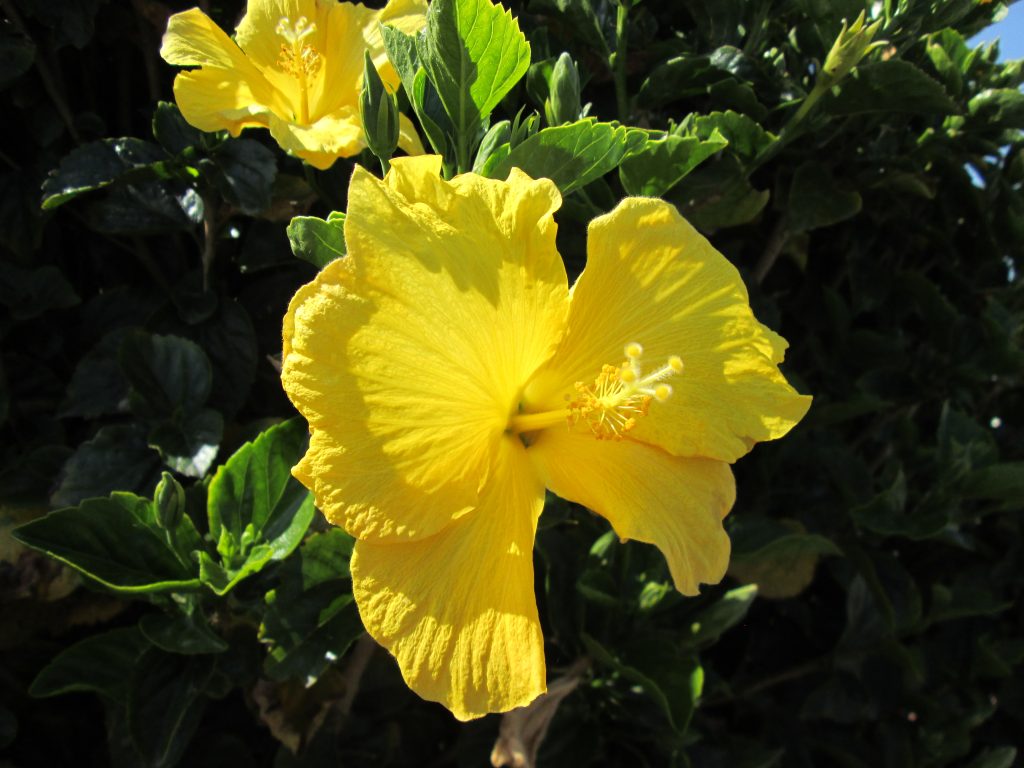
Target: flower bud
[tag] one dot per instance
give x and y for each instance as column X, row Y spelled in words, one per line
column 169, row 500
column 563, row 103
column 379, row 112
column 850, row 47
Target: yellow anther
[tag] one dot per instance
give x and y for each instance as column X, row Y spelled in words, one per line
column 298, row 58
column 621, row 395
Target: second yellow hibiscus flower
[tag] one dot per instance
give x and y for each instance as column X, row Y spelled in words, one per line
column 449, row 376
column 294, row 67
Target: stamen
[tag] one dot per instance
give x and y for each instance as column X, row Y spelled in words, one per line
column 620, row 395
column 298, row 58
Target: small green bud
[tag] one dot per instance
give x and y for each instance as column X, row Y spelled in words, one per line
column 379, row 112
column 170, row 501
column 563, row 103
column 850, row 47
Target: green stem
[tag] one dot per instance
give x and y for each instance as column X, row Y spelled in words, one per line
column 618, row 61
column 385, row 165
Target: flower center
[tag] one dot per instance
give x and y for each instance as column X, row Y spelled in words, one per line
column 613, row 403
column 298, row 58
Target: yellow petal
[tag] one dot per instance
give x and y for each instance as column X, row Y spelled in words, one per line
column 675, row 503
column 229, row 91
column 652, row 278
column 217, row 100
column 457, row 610
column 407, row 356
column 336, row 135
column 192, row 39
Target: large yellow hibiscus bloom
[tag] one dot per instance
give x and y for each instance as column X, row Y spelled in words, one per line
column 295, row 67
column 449, row 375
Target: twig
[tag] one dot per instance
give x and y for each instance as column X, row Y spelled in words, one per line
column 366, row 646
column 772, row 249
column 523, row 730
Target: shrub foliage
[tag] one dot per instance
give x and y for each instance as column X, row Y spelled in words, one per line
column 157, row 611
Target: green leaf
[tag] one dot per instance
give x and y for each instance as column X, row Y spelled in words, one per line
column 311, row 618
column 998, row 108
column 172, row 131
column 117, row 457
column 189, row 444
column 167, row 375
column 100, row 664
column 890, row 86
column 146, row 208
column 16, row 56
column 182, row 633
column 782, row 562
column 674, row 680
column 28, row 293
column 580, row 16
column 996, row 757
column 117, row 541
column 816, row 199
column 718, row 195
column 745, row 136
column 165, row 704
column 244, row 170
column 473, row 52
column 999, row 482
column 98, row 387
column 97, row 165
column 570, row 155
column 661, row 164
column 886, row 514
column 258, row 512
column 317, row 241
column 712, row 622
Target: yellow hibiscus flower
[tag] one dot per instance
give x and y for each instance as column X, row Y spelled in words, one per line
column 449, row 375
column 295, row 67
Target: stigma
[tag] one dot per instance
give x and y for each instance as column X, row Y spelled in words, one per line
column 621, row 394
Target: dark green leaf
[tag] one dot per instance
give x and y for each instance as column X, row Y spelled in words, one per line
column 246, row 172
column 168, row 375
column 117, row 457
column 101, row 663
column 116, row 541
column 890, row 86
column 188, row 444
column 146, row 208
column 28, row 293
column 816, row 199
column 672, row 679
column 711, row 622
column 16, row 56
column 96, row 165
column 998, row 108
column 165, row 704
column 317, row 241
column 571, row 155
column 311, row 618
column 98, row 387
column 172, row 131
column 182, row 633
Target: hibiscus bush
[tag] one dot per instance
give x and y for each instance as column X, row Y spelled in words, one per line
column 188, row 578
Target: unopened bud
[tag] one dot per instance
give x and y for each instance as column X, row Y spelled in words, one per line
column 852, row 45
column 379, row 112
column 169, row 500
column 563, row 103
